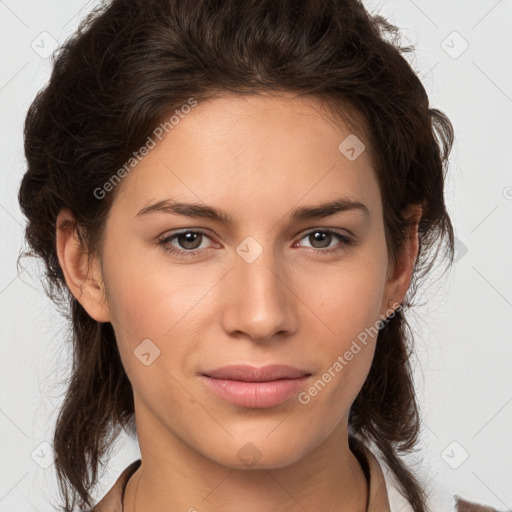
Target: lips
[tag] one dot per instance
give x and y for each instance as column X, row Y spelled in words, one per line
column 248, row 386
column 247, row 373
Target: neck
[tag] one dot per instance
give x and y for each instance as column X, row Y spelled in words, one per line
column 327, row 478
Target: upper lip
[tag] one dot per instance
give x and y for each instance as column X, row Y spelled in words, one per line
column 249, row 373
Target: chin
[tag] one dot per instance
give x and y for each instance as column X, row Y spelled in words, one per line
column 262, row 455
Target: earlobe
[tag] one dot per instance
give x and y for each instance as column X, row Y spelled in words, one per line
column 81, row 271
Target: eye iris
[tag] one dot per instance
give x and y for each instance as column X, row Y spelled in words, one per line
column 321, row 237
column 189, row 238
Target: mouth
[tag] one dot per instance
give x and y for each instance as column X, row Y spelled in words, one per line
column 248, row 386
column 247, row 373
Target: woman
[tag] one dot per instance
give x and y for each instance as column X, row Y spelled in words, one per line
column 238, row 199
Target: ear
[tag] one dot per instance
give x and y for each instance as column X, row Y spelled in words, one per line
column 81, row 270
column 399, row 275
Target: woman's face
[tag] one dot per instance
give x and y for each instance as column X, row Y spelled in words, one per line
column 271, row 286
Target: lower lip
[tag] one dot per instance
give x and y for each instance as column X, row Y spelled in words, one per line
column 256, row 394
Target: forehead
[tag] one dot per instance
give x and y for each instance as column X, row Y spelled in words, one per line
column 276, row 149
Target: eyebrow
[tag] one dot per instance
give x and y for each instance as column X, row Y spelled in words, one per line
column 195, row 210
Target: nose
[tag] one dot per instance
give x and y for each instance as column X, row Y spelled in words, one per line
column 260, row 301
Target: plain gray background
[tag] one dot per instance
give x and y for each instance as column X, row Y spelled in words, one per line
column 463, row 332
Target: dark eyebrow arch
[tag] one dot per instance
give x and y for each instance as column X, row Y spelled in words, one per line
column 327, row 209
column 216, row 214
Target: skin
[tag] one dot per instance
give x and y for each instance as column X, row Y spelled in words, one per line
column 248, row 156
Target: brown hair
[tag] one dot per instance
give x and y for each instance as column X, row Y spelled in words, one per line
column 130, row 63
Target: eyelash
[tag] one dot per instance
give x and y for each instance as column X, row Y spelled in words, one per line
column 192, row 253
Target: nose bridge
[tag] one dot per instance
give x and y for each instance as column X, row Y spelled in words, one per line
column 258, row 264
column 260, row 304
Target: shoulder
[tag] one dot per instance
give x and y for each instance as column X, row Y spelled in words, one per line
column 113, row 500
column 462, row 505
column 440, row 499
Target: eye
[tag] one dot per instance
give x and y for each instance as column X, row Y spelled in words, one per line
column 323, row 238
column 189, row 240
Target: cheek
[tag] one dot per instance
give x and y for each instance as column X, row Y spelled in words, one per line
column 348, row 305
column 150, row 300
column 347, row 299
column 151, row 311
column 147, row 297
